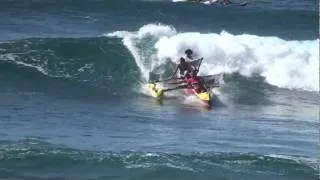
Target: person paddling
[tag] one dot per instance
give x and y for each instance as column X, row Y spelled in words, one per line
column 195, row 82
column 184, row 68
column 195, row 63
column 193, row 78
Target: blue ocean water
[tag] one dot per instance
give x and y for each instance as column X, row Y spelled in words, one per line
column 73, row 103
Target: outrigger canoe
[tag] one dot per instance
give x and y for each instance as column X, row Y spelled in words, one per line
column 204, row 97
column 158, row 93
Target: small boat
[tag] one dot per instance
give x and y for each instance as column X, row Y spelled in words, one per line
column 204, row 97
column 201, row 92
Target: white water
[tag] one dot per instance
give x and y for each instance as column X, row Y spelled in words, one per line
column 12, row 58
column 286, row 64
column 141, row 43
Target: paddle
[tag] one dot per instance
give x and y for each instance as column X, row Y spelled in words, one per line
column 175, row 88
column 199, row 64
column 169, row 79
column 185, row 86
column 157, row 81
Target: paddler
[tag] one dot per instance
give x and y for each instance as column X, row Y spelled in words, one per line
column 195, row 63
column 184, row 68
column 191, row 81
column 187, row 64
column 195, row 82
column 193, row 78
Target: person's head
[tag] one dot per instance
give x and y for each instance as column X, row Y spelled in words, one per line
column 188, row 53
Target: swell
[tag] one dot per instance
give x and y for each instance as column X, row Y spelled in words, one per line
column 33, row 159
column 103, row 67
column 49, row 64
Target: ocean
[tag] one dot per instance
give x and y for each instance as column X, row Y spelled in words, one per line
column 73, row 103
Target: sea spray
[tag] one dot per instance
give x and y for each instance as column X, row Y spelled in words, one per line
column 286, row 64
column 141, row 45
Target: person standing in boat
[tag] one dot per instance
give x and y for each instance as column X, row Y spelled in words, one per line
column 184, row 68
column 186, row 65
column 194, row 82
column 195, row 63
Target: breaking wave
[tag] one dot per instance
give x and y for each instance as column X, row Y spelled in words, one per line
column 285, row 64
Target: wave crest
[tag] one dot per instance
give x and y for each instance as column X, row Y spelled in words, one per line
column 286, row 64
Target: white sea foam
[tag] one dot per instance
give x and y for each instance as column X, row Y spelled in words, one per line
column 286, row 64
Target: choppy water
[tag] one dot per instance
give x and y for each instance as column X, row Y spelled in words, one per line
column 73, row 107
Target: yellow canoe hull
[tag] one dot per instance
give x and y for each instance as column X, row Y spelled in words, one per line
column 157, row 93
column 205, row 96
column 154, row 91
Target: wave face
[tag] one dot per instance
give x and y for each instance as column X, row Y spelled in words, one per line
column 95, row 62
column 285, row 64
column 32, row 159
